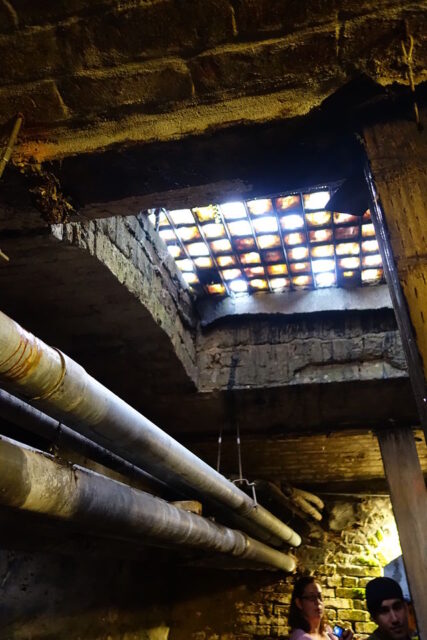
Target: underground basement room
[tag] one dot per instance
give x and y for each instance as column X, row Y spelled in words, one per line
column 213, row 304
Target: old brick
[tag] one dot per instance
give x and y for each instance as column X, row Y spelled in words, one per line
column 353, row 570
column 340, row 603
column 269, row 65
column 29, row 55
column 331, row 614
column 270, row 16
column 379, row 36
column 29, row 13
column 353, row 615
column 153, row 83
column 350, row 582
column 345, row 592
column 39, row 102
column 148, row 30
column 334, row 581
column 365, row 627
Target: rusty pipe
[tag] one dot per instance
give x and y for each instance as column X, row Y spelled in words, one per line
column 33, row 481
column 62, row 388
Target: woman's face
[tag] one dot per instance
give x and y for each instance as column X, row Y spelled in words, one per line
column 311, row 602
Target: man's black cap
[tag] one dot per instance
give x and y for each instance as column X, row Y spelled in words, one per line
column 380, row 589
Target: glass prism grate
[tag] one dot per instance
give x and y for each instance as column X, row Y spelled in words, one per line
column 285, row 243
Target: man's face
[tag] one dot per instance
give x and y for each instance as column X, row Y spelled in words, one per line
column 392, row 619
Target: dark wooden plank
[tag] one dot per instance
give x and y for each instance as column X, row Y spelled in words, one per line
column 409, row 500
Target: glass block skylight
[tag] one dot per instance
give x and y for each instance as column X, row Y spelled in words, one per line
column 286, row 243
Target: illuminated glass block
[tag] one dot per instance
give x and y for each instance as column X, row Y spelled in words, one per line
column 372, row 275
column 368, row 231
column 349, row 274
column 233, row 210
column 226, row 261
column 213, row 230
column 240, row 228
column 238, row 286
column 316, row 200
column 174, row 250
column 277, row 270
column 347, row 249
column 327, row 279
column 203, row 263
column 152, row 219
column 295, row 238
column 206, row 214
column 243, row 244
column 185, row 265
column 369, row 246
column 250, row 258
column 372, row 260
column 198, row 249
column 287, row 203
column 231, row 274
column 258, row 207
column 346, row 233
column 320, row 235
column 279, row 283
column 167, row 234
column 266, row 224
column 268, row 241
column 190, row 278
column 293, row 221
column 366, row 216
column 298, row 267
column 322, row 251
column 302, row 281
column 299, row 253
column 318, row 219
column 345, row 218
column 349, row 263
column 221, row 246
column 216, row 288
column 182, row 216
column 272, row 256
column 188, row 233
column 254, row 272
column 319, row 266
column 258, row 283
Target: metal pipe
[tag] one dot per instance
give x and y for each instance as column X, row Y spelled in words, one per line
column 63, row 389
column 33, row 481
column 23, row 415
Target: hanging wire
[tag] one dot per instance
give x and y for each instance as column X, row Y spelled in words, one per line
column 408, row 60
column 218, row 459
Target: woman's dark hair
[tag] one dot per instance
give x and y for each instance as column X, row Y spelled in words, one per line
column 296, row 620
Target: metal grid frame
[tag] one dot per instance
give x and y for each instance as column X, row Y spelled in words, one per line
column 335, row 253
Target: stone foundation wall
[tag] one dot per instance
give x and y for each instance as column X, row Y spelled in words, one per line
column 359, row 540
column 78, row 593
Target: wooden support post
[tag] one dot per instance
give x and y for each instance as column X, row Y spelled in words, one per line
column 397, row 154
column 409, row 500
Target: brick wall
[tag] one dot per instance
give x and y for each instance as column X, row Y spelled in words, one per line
column 64, row 62
column 358, row 540
column 84, row 589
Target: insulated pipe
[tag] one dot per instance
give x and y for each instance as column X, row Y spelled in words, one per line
column 23, row 415
column 63, row 389
column 32, row 481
